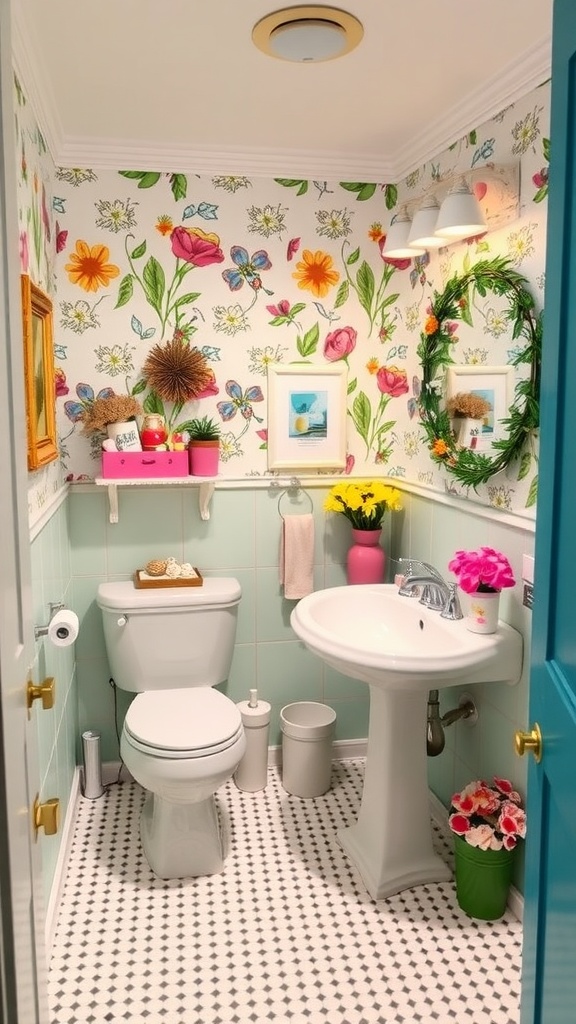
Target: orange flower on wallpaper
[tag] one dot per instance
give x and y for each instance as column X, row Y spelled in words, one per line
column 164, row 224
column 315, row 273
column 89, row 267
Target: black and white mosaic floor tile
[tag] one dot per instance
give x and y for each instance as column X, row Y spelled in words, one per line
column 286, row 933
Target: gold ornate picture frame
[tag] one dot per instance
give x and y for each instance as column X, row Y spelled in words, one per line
column 39, row 375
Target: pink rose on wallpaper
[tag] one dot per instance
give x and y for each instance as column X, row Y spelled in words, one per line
column 392, row 381
column 210, row 389
column 195, row 246
column 24, row 252
column 292, row 248
column 340, row 343
column 350, row 460
column 60, row 382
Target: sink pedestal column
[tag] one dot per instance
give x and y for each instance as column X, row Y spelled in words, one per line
column 391, row 843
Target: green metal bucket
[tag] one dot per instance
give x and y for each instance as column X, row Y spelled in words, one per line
column 483, row 879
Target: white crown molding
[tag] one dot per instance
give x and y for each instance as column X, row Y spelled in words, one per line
column 526, row 73
column 108, row 154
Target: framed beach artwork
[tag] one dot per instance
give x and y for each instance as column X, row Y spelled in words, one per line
column 39, row 375
column 494, row 384
column 306, row 416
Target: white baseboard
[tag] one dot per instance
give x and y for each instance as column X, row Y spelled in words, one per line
column 440, row 816
column 61, row 863
column 342, row 750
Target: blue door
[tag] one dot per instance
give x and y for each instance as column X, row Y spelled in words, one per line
column 549, row 959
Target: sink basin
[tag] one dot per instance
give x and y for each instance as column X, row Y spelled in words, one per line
column 402, row 650
column 373, row 634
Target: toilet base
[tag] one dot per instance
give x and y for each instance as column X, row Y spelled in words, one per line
column 181, row 840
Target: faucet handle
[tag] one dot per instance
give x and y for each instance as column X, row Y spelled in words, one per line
column 452, row 609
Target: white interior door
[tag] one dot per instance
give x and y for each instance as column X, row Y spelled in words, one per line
column 23, row 998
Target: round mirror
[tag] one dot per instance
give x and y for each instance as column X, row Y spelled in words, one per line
column 439, row 415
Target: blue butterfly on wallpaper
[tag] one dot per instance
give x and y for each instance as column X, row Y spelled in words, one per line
column 75, row 410
column 206, row 210
column 241, row 401
column 58, row 204
column 418, row 273
column 414, row 401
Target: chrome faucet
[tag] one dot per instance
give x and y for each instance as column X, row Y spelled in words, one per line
column 436, row 593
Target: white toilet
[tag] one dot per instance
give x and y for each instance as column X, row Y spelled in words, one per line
column 181, row 739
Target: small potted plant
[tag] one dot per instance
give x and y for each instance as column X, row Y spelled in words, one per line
column 203, row 446
column 115, row 416
column 487, row 822
column 482, row 575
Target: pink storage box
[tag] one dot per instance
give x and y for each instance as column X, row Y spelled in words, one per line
column 142, row 465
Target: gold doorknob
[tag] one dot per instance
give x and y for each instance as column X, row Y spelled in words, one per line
column 532, row 741
column 45, row 692
column 46, row 816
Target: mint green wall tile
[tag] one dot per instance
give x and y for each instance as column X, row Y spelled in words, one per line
column 351, row 717
column 340, row 687
column 226, row 541
column 335, row 576
column 246, row 627
column 243, row 677
column 88, row 514
column 273, row 610
column 45, row 725
column 96, row 706
column 150, row 526
column 441, row 775
column 90, row 642
column 337, row 538
column 288, row 672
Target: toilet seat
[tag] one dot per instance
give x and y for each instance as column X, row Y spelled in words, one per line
column 182, row 723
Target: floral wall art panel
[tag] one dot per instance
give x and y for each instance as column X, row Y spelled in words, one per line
column 256, row 270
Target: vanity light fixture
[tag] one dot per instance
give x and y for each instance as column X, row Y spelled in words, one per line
column 307, row 34
column 460, row 215
column 397, row 244
column 461, row 205
column 424, row 224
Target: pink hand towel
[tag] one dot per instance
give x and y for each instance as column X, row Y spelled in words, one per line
column 297, row 556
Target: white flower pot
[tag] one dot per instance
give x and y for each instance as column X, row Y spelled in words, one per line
column 481, row 611
column 125, row 436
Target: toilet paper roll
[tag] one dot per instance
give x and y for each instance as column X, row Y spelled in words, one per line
column 63, row 628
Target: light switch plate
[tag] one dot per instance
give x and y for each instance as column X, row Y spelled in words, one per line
column 528, row 568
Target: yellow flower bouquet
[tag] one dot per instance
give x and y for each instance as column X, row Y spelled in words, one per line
column 363, row 502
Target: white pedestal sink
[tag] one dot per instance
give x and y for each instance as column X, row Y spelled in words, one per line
column 402, row 650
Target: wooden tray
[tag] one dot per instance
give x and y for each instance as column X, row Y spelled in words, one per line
column 143, row 581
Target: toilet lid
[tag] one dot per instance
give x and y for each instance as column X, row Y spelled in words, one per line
column 183, row 723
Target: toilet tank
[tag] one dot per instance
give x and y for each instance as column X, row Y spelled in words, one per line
column 166, row 638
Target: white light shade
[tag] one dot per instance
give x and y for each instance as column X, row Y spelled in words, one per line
column 423, row 226
column 396, row 245
column 460, row 214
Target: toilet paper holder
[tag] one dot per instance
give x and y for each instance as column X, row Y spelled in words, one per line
column 55, row 606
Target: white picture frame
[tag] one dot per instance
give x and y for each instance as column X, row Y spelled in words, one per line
column 306, row 416
column 493, row 383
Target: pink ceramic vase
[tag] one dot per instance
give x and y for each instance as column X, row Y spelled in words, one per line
column 366, row 560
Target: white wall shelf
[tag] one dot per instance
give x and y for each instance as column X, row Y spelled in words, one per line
column 205, row 492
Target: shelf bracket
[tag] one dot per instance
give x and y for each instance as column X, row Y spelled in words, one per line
column 113, row 502
column 205, row 493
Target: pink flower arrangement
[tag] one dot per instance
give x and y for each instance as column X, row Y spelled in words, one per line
column 485, row 570
column 489, row 817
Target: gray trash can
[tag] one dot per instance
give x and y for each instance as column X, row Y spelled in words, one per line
column 307, row 734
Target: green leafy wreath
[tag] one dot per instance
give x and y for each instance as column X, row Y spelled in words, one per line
column 474, row 468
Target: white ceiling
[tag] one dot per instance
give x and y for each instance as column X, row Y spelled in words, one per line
column 178, row 84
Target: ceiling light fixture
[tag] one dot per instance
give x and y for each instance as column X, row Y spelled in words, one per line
column 424, row 224
column 307, row 34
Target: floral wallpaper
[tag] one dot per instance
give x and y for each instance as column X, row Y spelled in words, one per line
column 251, row 271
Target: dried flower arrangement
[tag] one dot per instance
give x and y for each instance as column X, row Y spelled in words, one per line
column 110, row 409
column 467, row 404
column 176, row 371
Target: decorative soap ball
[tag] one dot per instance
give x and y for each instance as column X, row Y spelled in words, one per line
column 157, row 567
